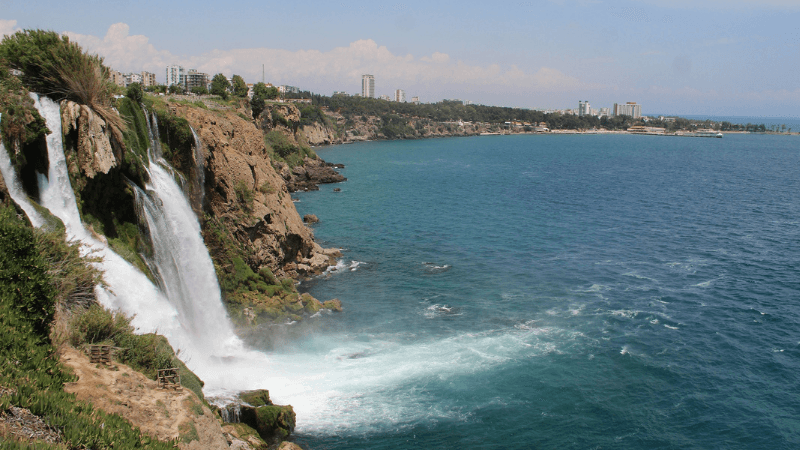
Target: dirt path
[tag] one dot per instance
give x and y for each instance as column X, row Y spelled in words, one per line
column 162, row 413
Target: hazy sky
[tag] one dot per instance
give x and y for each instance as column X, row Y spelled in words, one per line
column 733, row 57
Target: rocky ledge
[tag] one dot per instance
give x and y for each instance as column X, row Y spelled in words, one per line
column 310, row 175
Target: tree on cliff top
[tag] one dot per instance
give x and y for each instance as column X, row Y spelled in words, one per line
column 54, row 66
column 239, row 86
column 260, row 93
column 220, row 85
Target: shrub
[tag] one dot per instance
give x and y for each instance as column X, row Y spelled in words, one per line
column 135, row 92
column 54, row 66
column 244, row 195
column 30, row 365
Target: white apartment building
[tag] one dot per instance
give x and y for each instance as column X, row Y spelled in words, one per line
column 367, row 86
column 628, row 109
column 175, row 75
column 584, row 109
column 400, row 96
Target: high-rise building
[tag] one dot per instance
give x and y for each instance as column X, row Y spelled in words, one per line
column 148, row 79
column 584, row 109
column 367, row 86
column 628, row 109
column 175, row 75
column 400, row 96
column 117, row 78
column 194, row 79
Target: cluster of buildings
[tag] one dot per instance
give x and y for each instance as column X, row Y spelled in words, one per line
column 627, row 109
column 124, row 79
column 368, row 91
column 188, row 79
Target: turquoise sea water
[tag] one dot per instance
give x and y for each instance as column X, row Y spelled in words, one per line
column 627, row 292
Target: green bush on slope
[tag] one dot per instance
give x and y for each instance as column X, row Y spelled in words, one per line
column 54, row 66
column 29, row 365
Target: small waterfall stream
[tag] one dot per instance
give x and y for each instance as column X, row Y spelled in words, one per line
column 15, row 188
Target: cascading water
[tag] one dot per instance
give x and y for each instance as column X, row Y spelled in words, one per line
column 15, row 188
column 127, row 288
column 184, row 268
column 198, row 186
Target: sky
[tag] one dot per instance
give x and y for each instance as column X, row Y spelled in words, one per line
column 701, row 57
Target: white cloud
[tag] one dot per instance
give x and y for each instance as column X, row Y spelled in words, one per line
column 437, row 57
column 320, row 71
column 124, row 52
column 8, row 27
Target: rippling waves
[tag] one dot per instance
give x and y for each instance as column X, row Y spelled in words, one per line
column 558, row 292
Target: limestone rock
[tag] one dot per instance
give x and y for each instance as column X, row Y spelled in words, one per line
column 310, row 218
column 311, row 174
column 244, row 191
column 92, row 140
column 258, row 397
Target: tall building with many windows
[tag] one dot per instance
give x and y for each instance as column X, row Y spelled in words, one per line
column 175, row 75
column 194, row 79
column 148, row 79
column 367, row 86
column 584, row 109
column 400, row 96
column 628, row 109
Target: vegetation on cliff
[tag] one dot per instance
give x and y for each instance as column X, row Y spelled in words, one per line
column 32, row 274
column 52, row 65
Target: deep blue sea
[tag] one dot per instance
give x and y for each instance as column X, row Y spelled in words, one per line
column 566, row 292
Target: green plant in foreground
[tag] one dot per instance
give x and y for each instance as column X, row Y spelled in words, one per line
column 28, row 362
column 54, row 66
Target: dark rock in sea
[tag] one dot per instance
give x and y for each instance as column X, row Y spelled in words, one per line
column 308, row 176
column 333, row 305
column 337, row 190
column 258, row 397
column 310, row 218
column 274, row 423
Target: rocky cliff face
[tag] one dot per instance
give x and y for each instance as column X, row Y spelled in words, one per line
column 244, row 193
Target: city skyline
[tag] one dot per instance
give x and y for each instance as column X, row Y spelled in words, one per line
column 706, row 57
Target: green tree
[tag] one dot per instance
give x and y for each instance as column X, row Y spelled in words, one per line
column 239, row 86
column 135, row 92
column 176, row 89
column 200, row 90
column 265, row 92
column 220, row 86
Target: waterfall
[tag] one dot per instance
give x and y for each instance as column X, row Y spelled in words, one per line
column 184, row 267
column 198, row 187
column 187, row 309
column 127, row 289
column 15, row 188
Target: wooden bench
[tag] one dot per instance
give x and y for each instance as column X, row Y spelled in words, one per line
column 100, row 354
column 169, row 378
